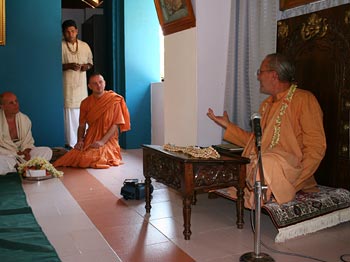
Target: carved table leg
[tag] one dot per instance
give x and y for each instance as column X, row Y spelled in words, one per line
column 240, row 196
column 148, row 194
column 187, row 216
column 240, row 208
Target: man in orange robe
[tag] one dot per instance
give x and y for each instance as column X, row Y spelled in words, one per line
column 293, row 142
column 103, row 112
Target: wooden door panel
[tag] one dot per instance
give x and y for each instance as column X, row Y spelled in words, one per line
column 319, row 45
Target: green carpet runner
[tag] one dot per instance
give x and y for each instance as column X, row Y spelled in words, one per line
column 21, row 237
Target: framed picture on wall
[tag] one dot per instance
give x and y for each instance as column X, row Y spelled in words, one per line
column 175, row 15
column 287, row 4
column 2, row 22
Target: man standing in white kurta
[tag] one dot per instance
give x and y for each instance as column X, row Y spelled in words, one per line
column 76, row 60
column 16, row 140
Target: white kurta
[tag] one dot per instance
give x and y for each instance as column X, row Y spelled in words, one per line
column 75, row 82
column 74, row 86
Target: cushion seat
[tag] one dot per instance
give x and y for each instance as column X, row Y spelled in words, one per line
column 308, row 212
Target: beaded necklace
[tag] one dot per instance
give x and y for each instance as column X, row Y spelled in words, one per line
column 284, row 106
column 70, row 50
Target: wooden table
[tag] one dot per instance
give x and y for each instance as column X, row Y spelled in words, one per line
column 189, row 175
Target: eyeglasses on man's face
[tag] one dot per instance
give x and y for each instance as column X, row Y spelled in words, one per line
column 258, row 72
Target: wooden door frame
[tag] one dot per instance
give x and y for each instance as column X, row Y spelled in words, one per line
column 287, row 4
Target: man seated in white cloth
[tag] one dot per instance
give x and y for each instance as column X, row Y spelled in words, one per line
column 16, row 140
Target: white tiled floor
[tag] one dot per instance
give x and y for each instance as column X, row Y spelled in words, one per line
column 65, row 224
column 215, row 237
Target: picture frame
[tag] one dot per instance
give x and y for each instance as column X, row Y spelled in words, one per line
column 93, row 3
column 175, row 15
column 2, row 22
column 287, row 4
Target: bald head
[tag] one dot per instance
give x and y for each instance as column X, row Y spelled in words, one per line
column 9, row 103
column 5, row 96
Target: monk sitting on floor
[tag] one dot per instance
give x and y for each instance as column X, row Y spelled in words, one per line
column 293, row 142
column 104, row 112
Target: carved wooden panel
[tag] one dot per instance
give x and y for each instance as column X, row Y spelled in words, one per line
column 319, row 44
column 215, row 175
column 165, row 170
column 170, row 172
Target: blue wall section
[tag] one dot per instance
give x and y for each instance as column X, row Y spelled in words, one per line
column 31, row 65
column 142, row 67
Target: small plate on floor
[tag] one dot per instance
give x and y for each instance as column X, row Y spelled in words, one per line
column 40, row 178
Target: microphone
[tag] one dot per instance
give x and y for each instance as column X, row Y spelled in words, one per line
column 255, row 118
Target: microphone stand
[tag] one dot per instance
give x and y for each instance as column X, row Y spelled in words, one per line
column 259, row 189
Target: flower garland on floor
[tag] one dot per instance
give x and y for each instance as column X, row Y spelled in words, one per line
column 195, row 151
column 39, row 163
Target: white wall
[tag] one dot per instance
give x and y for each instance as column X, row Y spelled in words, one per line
column 195, row 72
column 213, row 19
column 157, row 113
column 180, row 88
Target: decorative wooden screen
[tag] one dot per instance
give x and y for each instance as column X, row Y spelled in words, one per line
column 319, row 44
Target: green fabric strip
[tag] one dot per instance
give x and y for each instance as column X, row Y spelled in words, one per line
column 21, row 237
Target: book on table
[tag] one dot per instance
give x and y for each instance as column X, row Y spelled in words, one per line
column 228, row 148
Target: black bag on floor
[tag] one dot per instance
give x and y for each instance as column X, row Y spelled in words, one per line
column 133, row 189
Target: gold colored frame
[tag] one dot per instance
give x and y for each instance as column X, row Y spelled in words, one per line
column 2, row 22
column 287, row 4
column 93, row 3
column 171, row 23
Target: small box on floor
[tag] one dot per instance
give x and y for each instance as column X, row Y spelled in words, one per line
column 133, row 189
column 36, row 173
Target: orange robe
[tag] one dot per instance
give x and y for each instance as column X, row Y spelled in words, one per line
column 292, row 146
column 100, row 114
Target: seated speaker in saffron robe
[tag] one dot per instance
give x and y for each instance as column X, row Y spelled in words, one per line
column 103, row 114
column 293, row 141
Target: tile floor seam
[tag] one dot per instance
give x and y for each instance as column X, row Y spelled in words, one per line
column 68, row 187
